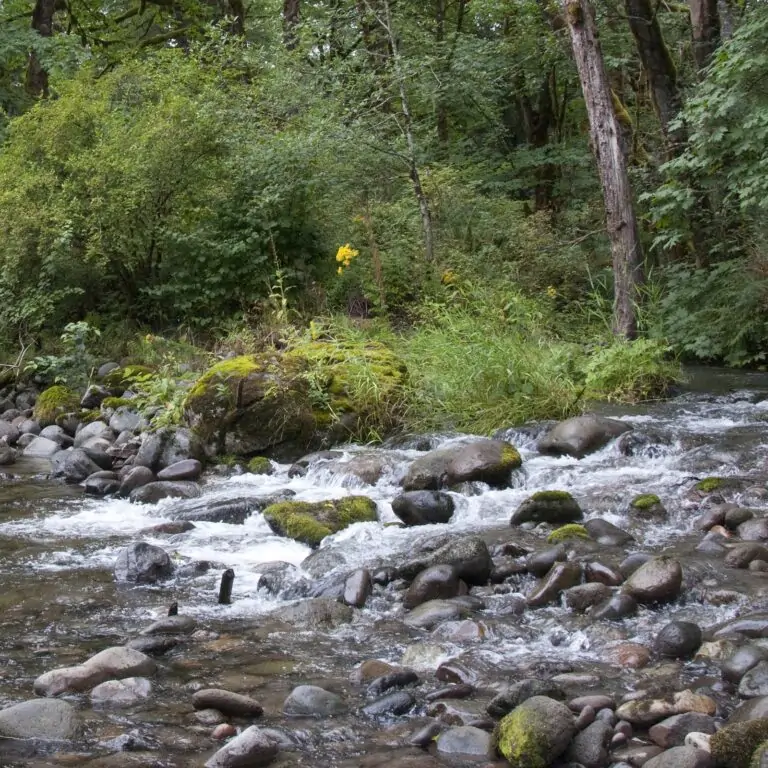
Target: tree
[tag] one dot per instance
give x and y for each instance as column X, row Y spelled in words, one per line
column 620, row 216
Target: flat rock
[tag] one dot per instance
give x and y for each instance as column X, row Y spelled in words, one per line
column 672, row 731
column 227, row 702
column 47, row 719
column 122, row 693
column 312, row 701
column 466, row 740
column 186, row 469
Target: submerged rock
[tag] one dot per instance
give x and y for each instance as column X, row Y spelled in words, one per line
column 313, row 701
column 468, row 555
column 226, row 702
column 46, row 719
column 581, row 435
column 253, row 748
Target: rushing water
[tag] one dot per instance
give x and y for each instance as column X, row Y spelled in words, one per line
column 59, row 603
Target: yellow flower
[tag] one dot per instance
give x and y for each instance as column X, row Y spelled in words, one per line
column 346, row 253
column 340, row 271
column 551, row 291
column 449, row 277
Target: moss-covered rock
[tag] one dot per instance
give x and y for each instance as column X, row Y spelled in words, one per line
column 648, row 506
column 260, row 465
column 313, row 395
column 734, row 745
column 54, row 402
column 709, row 484
column 645, row 501
column 760, row 756
column 311, row 522
column 548, row 507
column 568, row 532
column 113, row 403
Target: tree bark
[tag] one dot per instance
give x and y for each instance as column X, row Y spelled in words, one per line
column 659, row 68
column 291, row 18
column 705, row 29
column 42, row 23
column 605, row 134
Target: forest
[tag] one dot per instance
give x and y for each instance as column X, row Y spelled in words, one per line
column 534, row 204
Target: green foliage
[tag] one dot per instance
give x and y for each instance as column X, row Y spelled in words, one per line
column 74, row 365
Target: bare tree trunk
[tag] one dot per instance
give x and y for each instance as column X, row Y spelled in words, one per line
column 705, row 28
column 291, row 18
column 611, row 163
column 42, row 23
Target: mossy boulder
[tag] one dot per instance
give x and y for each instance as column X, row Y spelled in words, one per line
column 647, row 506
column 314, row 395
column 260, row 465
column 734, row 745
column 54, row 402
column 760, row 756
column 709, row 484
column 113, row 403
column 535, row 733
column 311, row 522
column 556, row 507
column 567, row 533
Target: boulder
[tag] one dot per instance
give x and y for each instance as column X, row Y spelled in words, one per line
column 42, row 448
column 121, row 693
column 656, row 581
column 9, row 433
column 143, row 563
column 93, row 397
column 485, row 460
column 312, row 701
column 125, row 419
column 590, row 747
column 678, row 639
column 548, row 590
column 234, row 511
column 158, row 490
column 646, row 712
column 96, row 429
column 435, row 582
column 187, row 469
column 53, row 403
column 672, row 731
column 45, row 719
column 469, row 555
column 581, row 435
column 251, row 749
column 554, row 507
column 318, row 613
column 167, row 446
column 134, row 478
column 102, row 483
column 423, row 507
column 226, row 702
column 74, row 465
column 734, row 745
column 742, row 660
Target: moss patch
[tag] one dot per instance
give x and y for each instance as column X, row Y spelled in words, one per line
column 87, row 417
column 734, row 745
column 113, row 403
column 709, row 484
column 54, row 402
column 568, row 532
column 510, row 457
column 311, row 522
column 260, row 465
column 518, row 740
column 645, row 501
column 552, row 496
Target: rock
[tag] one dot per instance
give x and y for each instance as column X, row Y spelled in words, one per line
column 554, row 507
column 311, row 522
column 234, row 511
column 155, row 645
column 584, row 596
column 590, row 747
column 357, row 588
column 122, row 693
column 659, row 580
column 125, row 419
column 699, row 741
column 752, row 709
column 672, row 731
column 734, row 745
column 94, row 429
column 678, row 639
column 251, row 749
column 645, row 712
column 503, row 703
column 426, row 735
column 754, row 684
column 167, row 446
column 58, row 435
column 9, row 433
column 615, row 608
column 548, row 589
column 485, row 460
column 155, row 491
column 178, row 625
column 466, row 740
column 93, row 397
column 535, row 733
column 53, row 403
column 223, row 731
column 274, row 577
column 581, row 435
column 423, row 507
column 427, row 615
column 647, row 506
column 187, row 469
column 46, row 719
column 741, row 555
column 469, row 556
column 136, row 477
column 42, row 448
column 143, row 563
column 425, row 657
column 320, row 612
column 754, row 530
column 681, row 757
column 540, row 563
column 742, row 660
column 73, row 464
column 607, row 534
column 397, row 678
column 435, row 582
column 228, row 703
column 27, row 427
column 113, row 663
column 397, row 703
column 101, row 483
column 751, row 625
column 635, row 755
column 312, row 701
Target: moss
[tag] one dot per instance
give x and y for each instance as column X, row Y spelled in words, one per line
column 518, row 740
column 356, row 509
column 113, row 403
column 232, row 368
column 552, row 496
column 709, row 484
column 567, row 532
column 645, row 501
column 125, row 377
column 734, row 745
column 87, row 417
column 53, row 402
column 760, row 756
column 260, row 465
column 510, row 457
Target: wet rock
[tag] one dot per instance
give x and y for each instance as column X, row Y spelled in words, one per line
column 459, row 691
column 590, row 746
column 182, row 625
column 233, row 511
column 94, row 429
column 671, row 732
column 659, row 580
column 487, row 461
column 8, row 455
column 454, row 671
column 121, row 693
column 734, row 516
column 156, row 645
column 465, row 740
column 681, row 757
column 73, row 464
column 427, row 615
column 461, row 632
column 535, row 733
column 678, row 639
column 397, row 703
column 742, row 660
column 27, row 427
column 584, row 596
column 598, row 702
column 540, row 563
column 755, row 682
column 101, row 483
column 135, row 477
column 581, row 435
column 143, row 563
column 553, row 507
column 187, row 469
column 370, row 670
column 635, row 755
column 645, row 712
column 153, row 492
column 602, row 574
column 503, row 703
column 167, row 529
column 251, row 749
column 734, row 745
column 398, row 678
column 42, row 448
column 548, row 589
column 469, row 556
column 312, row 701
column 585, row 718
column 125, row 419
column 113, row 663
column 615, row 608
column 741, row 555
column 607, row 534
column 712, row 517
column 632, row 562
column 436, row 582
column 751, row 625
column 425, row 736
column 228, row 703
column 357, row 588
column 647, row 506
column 223, row 731
column 320, row 612
column 275, row 577
column 423, row 507
column 425, row 656
column 754, row 530
column 752, row 709
column 46, row 719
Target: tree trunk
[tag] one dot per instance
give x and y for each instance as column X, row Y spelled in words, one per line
column 538, row 119
column 441, row 110
column 659, row 68
column 42, row 23
column 605, row 134
column 705, row 28
column 291, row 17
